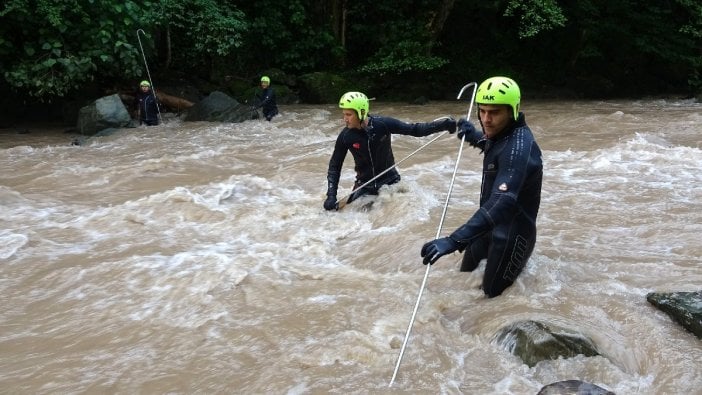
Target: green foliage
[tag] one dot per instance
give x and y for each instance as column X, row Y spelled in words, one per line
column 294, row 35
column 65, row 43
column 205, row 28
column 404, row 56
column 648, row 52
column 396, row 37
column 536, row 16
column 692, row 25
column 49, row 48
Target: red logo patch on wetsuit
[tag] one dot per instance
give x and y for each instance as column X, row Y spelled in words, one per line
column 357, row 145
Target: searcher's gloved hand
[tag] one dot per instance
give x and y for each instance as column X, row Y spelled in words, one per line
column 465, row 128
column 435, row 249
column 451, row 125
column 330, row 203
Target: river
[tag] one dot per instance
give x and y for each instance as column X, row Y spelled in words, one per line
column 197, row 258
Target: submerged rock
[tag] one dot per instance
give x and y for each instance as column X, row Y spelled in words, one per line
column 534, row 341
column 683, row 307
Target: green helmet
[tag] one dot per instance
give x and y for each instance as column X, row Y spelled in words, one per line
column 356, row 101
column 265, row 79
column 145, row 83
column 499, row 90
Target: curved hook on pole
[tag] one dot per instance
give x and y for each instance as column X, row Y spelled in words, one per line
column 148, row 74
column 438, row 232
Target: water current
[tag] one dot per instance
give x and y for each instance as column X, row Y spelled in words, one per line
column 197, row 258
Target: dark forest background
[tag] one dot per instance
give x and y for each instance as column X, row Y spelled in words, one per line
column 61, row 51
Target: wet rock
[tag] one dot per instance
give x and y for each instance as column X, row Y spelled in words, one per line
column 103, row 114
column 219, row 107
column 683, row 307
column 573, row 387
column 534, row 341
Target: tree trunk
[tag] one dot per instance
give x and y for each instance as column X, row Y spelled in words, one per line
column 438, row 19
column 168, row 47
column 339, row 11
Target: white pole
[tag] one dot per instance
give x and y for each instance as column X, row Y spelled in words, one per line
column 438, row 233
column 153, row 88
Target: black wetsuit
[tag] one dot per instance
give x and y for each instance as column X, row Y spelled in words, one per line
column 503, row 230
column 372, row 152
column 266, row 101
column 147, row 106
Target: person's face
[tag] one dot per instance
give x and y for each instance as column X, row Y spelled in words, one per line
column 145, row 88
column 351, row 119
column 264, row 84
column 495, row 118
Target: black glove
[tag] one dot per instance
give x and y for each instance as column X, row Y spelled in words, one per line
column 435, row 249
column 451, row 125
column 330, row 203
column 465, row 128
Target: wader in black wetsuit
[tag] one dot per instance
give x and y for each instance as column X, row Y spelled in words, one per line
column 267, row 103
column 372, row 152
column 503, row 230
column 147, row 108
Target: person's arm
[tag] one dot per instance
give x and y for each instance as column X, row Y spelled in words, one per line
column 395, row 126
column 157, row 103
column 334, row 172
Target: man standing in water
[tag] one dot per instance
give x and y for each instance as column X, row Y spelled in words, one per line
column 146, row 105
column 503, row 230
column 368, row 139
column 267, row 99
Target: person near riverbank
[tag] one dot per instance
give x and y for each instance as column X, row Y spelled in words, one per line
column 503, row 229
column 266, row 99
column 368, row 138
column 146, row 104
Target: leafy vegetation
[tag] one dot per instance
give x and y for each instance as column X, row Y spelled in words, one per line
column 50, row 48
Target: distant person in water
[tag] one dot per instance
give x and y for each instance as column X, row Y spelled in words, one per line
column 266, row 99
column 146, row 105
column 368, row 138
column 503, row 229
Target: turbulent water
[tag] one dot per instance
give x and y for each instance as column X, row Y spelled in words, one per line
column 197, row 258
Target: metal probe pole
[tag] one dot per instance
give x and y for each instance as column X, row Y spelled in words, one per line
column 438, row 232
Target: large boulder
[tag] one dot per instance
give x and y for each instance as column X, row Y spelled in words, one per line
column 535, row 341
column 105, row 113
column 683, row 307
column 220, row 107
